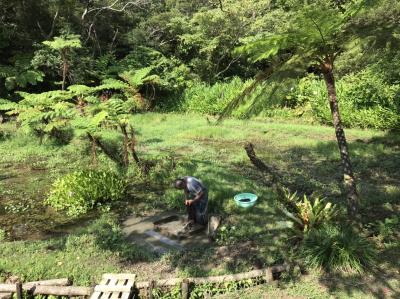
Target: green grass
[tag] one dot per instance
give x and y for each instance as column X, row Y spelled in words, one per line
column 82, row 256
column 306, row 156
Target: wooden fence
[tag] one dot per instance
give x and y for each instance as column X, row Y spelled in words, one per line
column 62, row 287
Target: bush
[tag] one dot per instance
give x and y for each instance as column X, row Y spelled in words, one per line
column 307, row 213
column 80, row 191
column 337, row 248
column 212, row 99
column 365, row 100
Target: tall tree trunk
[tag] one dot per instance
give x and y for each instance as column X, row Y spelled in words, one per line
column 93, row 152
column 132, row 145
column 65, row 68
column 348, row 176
column 125, row 145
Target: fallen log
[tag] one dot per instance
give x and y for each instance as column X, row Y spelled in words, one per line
column 266, row 273
column 5, row 295
column 260, row 165
column 48, row 290
column 50, row 282
column 30, row 284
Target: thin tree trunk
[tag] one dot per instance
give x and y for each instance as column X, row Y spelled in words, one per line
column 132, row 145
column 65, row 69
column 348, row 176
column 105, row 150
column 94, row 155
column 125, row 144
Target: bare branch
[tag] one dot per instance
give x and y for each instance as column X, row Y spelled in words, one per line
column 137, row 3
column 114, row 38
column 47, row 36
column 228, row 66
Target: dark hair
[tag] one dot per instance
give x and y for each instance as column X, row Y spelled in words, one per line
column 179, row 182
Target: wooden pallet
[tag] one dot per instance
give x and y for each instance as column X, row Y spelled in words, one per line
column 115, row 286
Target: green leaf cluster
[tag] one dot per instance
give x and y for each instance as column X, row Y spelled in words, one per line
column 306, row 213
column 80, row 191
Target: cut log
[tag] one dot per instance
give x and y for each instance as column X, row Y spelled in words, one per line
column 5, row 295
column 50, row 282
column 217, row 279
column 48, row 290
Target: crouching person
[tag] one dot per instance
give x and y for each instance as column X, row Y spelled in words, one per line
column 196, row 199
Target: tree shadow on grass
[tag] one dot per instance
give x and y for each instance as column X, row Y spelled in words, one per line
column 255, row 241
column 376, row 164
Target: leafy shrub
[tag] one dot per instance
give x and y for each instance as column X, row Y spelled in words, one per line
column 2, row 234
column 212, row 99
column 306, row 213
column 337, row 248
column 387, row 230
column 365, row 100
column 80, row 191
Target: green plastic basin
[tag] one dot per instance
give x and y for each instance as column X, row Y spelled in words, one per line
column 245, row 200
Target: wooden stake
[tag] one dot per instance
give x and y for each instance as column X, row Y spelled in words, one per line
column 18, row 292
column 152, row 284
column 185, row 289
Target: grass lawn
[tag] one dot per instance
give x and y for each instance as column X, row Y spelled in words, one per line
column 306, row 157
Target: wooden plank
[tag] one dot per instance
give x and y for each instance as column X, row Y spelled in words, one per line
column 112, row 288
column 120, row 283
column 107, row 293
column 120, row 276
column 97, row 295
column 131, row 283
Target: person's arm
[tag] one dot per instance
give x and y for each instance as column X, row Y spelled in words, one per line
column 198, row 196
column 196, row 199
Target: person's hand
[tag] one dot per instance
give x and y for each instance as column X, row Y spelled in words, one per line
column 188, row 202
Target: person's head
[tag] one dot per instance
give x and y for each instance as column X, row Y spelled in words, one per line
column 179, row 184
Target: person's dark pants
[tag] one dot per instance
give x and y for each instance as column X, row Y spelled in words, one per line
column 197, row 212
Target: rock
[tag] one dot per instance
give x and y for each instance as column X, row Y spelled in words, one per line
column 213, row 225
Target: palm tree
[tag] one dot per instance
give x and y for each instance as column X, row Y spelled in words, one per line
column 317, row 34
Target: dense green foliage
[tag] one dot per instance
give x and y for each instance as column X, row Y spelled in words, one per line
column 337, row 248
column 80, row 191
column 79, row 78
column 307, row 213
column 189, row 47
column 365, row 100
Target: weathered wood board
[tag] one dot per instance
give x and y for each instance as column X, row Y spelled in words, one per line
column 115, row 286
